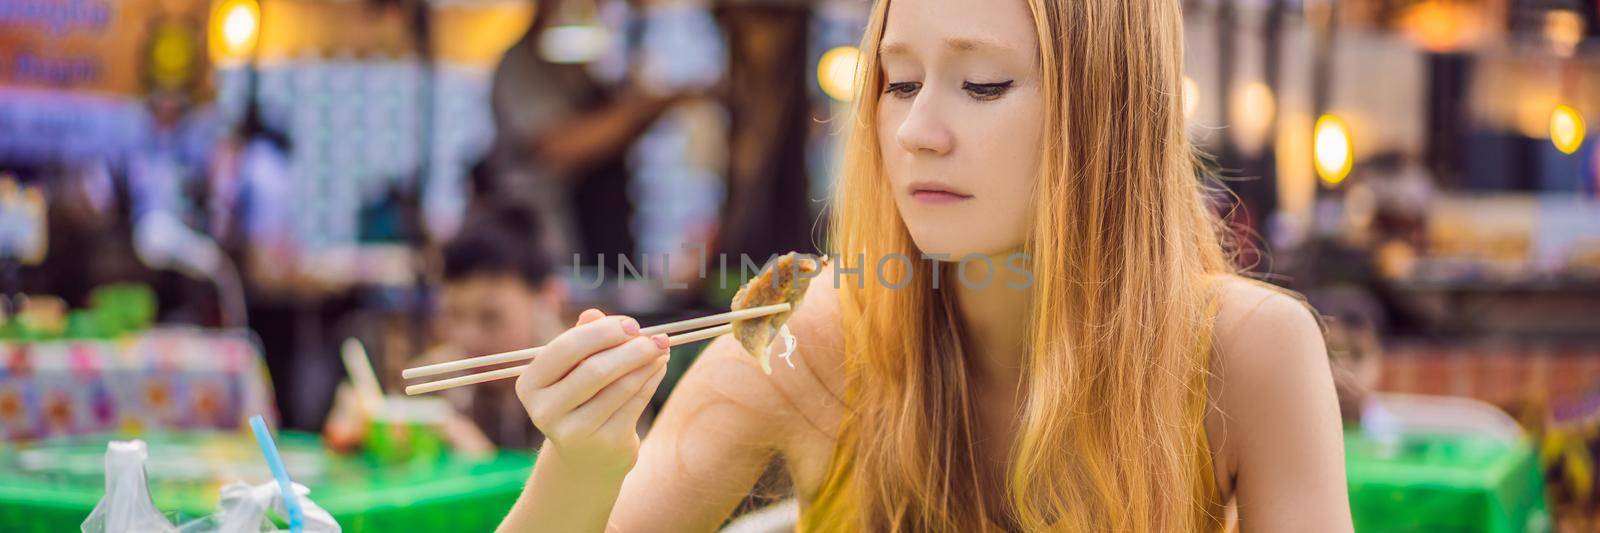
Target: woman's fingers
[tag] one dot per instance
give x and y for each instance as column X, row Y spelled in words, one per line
column 599, row 371
column 590, row 315
column 572, row 347
column 587, row 418
column 626, row 418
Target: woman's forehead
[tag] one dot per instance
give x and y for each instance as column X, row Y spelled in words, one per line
column 954, row 44
column 915, row 27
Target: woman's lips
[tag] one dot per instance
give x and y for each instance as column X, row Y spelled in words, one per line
column 930, row 192
column 938, row 197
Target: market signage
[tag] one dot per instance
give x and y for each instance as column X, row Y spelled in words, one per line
column 74, row 73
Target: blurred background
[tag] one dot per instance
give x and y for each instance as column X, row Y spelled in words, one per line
column 205, row 204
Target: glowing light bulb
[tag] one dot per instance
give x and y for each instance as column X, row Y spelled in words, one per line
column 1254, row 107
column 1566, row 129
column 238, row 26
column 1332, row 152
column 1191, row 97
column 235, row 27
column 836, row 72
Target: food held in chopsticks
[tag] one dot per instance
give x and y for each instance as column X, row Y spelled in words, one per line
column 684, row 332
column 784, row 280
column 760, row 310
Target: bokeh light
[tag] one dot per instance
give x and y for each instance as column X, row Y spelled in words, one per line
column 1254, row 107
column 1191, row 97
column 235, row 25
column 1566, row 129
column 1333, row 153
column 574, row 43
column 836, row 72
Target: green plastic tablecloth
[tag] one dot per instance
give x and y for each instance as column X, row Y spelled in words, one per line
column 1420, row 483
column 52, row 486
column 1445, row 483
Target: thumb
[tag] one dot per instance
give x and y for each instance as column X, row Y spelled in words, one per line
column 590, row 315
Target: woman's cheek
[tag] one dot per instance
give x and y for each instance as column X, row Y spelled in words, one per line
column 1018, row 172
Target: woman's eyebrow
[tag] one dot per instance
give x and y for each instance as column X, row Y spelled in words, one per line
column 894, row 48
column 955, row 44
column 968, row 44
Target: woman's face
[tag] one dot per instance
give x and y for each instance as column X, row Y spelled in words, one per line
column 959, row 121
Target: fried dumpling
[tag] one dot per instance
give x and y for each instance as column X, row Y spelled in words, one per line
column 784, row 280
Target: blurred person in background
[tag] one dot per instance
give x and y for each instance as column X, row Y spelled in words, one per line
column 249, row 208
column 166, row 167
column 561, row 138
column 767, row 208
column 87, row 244
column 498, row 295
column 1356, row 355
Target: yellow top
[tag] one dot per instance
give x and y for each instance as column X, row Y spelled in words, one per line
column 833, row 509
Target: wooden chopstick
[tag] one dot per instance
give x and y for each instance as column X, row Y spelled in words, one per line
column 507, row 373
column 359, row 367
column 529, row 353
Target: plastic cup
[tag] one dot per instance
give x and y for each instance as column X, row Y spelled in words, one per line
column 406, row 429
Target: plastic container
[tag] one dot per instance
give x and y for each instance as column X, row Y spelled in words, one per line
column 407, row 429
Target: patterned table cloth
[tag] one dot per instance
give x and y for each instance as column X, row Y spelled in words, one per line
column 166, row 379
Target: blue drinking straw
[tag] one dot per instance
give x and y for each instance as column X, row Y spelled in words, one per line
column 275, row 462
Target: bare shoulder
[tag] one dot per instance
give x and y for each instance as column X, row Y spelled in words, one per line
column 1260, row 333
column 1275, row 409
column 1256, row 320
column 1269, row 347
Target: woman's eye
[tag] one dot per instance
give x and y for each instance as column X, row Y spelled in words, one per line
column 903, row 89
column 986, row 91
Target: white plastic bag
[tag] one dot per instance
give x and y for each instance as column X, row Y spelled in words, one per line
column 127, row 506
column 244, row 509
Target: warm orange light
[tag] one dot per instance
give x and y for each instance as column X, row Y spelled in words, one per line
column 1191, row 97
column 235, row 25
column 1332, row 152
column 1254, row 106
column 1441, row 26
column 1563, row 29
column 836, row 72
column 1566, row 129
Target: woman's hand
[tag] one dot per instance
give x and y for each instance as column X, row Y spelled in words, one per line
column 721, row 429
column 587, row 388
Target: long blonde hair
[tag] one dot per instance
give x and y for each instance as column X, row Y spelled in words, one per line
column 1123, row 247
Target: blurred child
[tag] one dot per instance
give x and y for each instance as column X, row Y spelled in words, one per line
column 498, row 295
column 1357, row 362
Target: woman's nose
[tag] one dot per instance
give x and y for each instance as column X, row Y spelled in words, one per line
column 923, row 132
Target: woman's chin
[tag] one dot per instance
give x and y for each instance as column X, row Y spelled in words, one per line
column 945, row 249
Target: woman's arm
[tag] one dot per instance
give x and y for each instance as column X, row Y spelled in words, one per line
column 714, row 438
column 1282, row 416
column 726, row 419
column 719, row 431
column 585, row 392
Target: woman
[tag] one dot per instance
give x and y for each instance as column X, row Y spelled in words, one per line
column 1132, row 383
